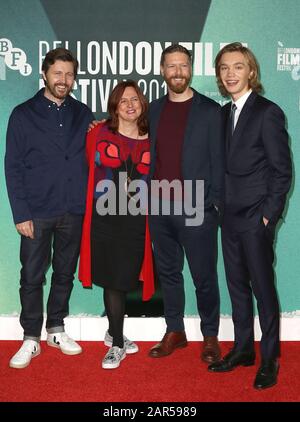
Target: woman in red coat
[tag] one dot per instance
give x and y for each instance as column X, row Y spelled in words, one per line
column 116, row 250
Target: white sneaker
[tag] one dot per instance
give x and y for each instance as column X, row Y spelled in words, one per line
column 113, row 357
column 129, row 345
column 63, row 342
column 28, row 350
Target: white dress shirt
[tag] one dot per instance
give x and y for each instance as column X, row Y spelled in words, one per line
column 239, row 105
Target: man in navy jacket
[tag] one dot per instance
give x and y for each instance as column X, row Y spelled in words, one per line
column 186, row 145
column 258, row 178
column 46, row 175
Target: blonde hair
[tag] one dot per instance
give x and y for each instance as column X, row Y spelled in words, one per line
column 254, row 82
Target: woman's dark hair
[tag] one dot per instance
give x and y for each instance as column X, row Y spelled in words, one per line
column 114, row 100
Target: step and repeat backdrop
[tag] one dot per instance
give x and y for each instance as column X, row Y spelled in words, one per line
column 120, row 39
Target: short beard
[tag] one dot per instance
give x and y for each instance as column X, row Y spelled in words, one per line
column 55, row 94
column 178, row 89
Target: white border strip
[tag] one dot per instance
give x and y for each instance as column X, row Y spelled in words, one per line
column 92, row 328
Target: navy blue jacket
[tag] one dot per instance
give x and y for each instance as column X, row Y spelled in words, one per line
column 203, row 146
column 45, row 163
column 258, row 164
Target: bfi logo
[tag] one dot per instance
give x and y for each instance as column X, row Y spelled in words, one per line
column 13, row 58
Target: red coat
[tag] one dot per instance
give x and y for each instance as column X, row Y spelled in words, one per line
column 146, row 275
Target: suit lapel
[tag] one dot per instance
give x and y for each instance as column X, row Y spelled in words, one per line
column 193, row 117
column 154, row 119
column 227, row 126
column 153, row 124
column 242, row 121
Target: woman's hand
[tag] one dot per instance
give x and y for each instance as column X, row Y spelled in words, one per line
column 95, row 123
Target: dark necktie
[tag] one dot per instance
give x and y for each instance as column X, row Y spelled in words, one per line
column 232, row 114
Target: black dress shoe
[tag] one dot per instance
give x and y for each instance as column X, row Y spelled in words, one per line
column 267, row 374
column 232, row 360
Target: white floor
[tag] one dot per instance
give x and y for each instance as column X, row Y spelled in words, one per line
column 92, row 328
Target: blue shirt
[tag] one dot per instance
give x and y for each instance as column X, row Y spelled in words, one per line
column 45, row 163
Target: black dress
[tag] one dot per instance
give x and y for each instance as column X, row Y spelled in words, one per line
column 117, row 241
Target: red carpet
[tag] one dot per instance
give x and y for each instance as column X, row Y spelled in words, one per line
column 181, row 377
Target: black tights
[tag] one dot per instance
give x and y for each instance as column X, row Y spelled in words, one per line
column 114, row 302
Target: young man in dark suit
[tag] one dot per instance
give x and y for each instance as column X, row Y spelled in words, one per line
column 46, row 176
column 258, row 178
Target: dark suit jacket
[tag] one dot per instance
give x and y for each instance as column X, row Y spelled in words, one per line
column 203, row 153
column 46, row 170
column 258, row 164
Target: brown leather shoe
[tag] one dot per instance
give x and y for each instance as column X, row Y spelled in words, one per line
column 211, row 351
column 171, row 341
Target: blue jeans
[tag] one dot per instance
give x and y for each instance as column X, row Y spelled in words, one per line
column 57, row 242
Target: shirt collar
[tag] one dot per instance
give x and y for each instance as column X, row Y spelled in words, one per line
column 241, row 101
column 44, row 101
